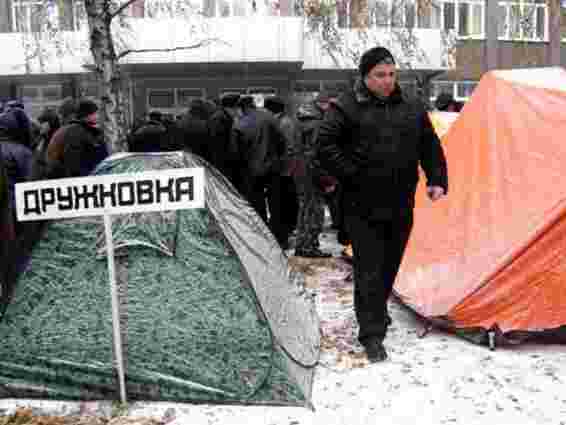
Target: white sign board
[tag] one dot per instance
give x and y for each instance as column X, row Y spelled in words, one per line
column 172, row 189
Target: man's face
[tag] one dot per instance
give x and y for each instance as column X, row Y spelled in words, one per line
column 323, row 105
column 381, row 79
column 92, row 119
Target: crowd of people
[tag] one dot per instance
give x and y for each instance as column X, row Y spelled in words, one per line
column 268, row 153
column 358, row 153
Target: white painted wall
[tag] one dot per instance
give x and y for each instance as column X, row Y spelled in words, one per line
column 237, row 39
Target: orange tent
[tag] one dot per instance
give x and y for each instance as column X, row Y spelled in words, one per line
column 489, row 261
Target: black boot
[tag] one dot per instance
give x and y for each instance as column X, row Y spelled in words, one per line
column 311, row 253
column 375, row 351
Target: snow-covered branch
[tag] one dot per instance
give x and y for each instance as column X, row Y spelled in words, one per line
column 202, row 43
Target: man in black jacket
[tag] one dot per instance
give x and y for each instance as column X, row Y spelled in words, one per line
column 259, row 145
column 77, row 148
column 150, row 136
column 373, row 139
column 220, row 128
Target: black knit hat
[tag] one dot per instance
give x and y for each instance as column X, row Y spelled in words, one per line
column 443, row 101
column 274, row 104
column 375, row 56
column 85, row 108
column 230, row 100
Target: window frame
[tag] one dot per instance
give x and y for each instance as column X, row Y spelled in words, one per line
column 454, row 89
column 508, row 36
column 27, row 6
column 176, row 107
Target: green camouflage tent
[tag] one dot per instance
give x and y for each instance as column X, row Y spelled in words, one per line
column 209, row 311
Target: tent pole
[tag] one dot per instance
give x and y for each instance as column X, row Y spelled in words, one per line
column 115, row 306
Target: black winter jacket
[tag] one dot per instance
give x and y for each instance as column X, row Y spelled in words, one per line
column 374, row 147
column 259, row 144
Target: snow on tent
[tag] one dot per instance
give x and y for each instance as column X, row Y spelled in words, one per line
column 209, row 311
column 489, row 260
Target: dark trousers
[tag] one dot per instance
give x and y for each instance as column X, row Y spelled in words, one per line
column 276, row 194
column 378, row 247
column 283, row 206
column 311, row 215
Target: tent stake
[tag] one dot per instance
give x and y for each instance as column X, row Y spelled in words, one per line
column 115, row 306
column 491, row 337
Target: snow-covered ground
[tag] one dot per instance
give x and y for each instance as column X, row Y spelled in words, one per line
column 438, row 379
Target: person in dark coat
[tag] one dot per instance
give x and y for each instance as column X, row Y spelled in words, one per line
column 151, row 136
column 7, row 237
column 445, row 102
column 17, row 157
column 6, row 219
column 313, row 184
column 22, row 129
column 50, row 123
column 260, row 147
column 286, row 209
column 220, row 129
column 194, row 128
column 77, row 148
column 67, row 110
column 373, row 139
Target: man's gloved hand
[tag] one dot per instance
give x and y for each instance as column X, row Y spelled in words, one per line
column 327, row 183
column 435, row 192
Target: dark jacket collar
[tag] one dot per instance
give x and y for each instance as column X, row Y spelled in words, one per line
column 363, row 95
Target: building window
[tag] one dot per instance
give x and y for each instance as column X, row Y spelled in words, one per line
column 307, row 87
column 465, row 17
column 403, row 13
column 430, row 15
column 162, row 98
column 260, row 93
column 185, row 96
column 173, row 100
column 459, row 90
column 449, row 18
column 335, row 86
column 523, row 20
column 239, row 90
column 343, row 13
column 438, row 87
column 464, row 90
column 72, row 15
column 52, row 93
column 137, row 9
column 27, row 15
column 30, row 93
column 41, row 97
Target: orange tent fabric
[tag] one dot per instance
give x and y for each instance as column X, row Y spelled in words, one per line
column 492, row 255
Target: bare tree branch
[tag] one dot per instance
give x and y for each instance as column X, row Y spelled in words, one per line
column 202, row 43
column 121, row 8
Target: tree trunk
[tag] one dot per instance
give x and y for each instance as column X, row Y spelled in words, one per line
column 112, row 118
column 554, row 33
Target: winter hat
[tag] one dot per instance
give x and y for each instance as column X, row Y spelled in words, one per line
column 8, row 121
column 375, row 56
column 67, row 109
column 230, row 100
column 246, row 102
column 274, row 104
column 17, row 125
column 443, row 101
column 326, row 96
column 85, row 108
column 155, row 115
column 14, row 104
